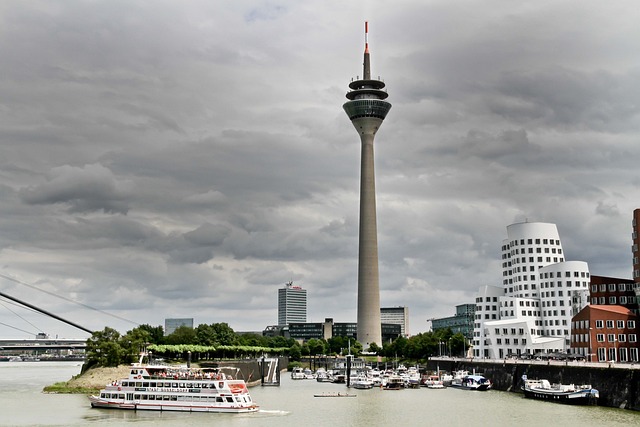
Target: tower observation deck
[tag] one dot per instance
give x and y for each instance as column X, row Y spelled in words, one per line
column 367, row 109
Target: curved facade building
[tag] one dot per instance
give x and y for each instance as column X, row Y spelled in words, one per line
column 540, row 293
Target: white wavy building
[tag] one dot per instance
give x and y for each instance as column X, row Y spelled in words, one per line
column 540, row 293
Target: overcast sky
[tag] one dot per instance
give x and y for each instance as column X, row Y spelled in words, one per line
column 188, row 158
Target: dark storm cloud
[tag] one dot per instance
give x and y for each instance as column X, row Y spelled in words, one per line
column 168, row 159
column 84, row 189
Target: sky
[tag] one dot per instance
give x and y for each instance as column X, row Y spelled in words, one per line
column 164, row 158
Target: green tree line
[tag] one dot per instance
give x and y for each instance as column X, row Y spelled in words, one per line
column 218, row 340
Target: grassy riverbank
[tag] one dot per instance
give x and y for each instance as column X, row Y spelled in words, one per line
column 89, row 382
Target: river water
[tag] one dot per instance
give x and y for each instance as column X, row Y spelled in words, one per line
column 292, row 404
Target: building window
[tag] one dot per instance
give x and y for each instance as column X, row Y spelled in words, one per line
column 609, row 324
column 623, row 354
column 599, row 324
column 611, row 338
column 631, row 324
column 620, row 324
column 632, row 337
column 600, row 337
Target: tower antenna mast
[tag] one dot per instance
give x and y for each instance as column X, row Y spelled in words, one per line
column 367, row 109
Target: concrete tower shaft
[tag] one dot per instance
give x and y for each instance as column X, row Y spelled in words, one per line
column 367, row 109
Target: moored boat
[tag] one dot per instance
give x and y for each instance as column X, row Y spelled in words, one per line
column 362, row 382
column 393, row 382
column 433, row 381
column 298, row 374
column 472, row 382
column 165, row 388
column 561, row 393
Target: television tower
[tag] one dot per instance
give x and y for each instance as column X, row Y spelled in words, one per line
column 367, row 109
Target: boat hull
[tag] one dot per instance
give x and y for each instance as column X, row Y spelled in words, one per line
column 580, row 397
column 97, row 402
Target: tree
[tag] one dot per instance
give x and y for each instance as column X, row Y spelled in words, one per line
column 295, row 352
column 374, row 348
column 103, row 348
column 134, row 342
column 182, row 335
column 156, row 333
column 316, row 346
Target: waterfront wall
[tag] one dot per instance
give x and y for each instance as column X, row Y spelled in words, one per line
column 250, row 369
column 618, row 387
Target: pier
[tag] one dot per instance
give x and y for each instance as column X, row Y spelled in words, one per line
column 618, row 384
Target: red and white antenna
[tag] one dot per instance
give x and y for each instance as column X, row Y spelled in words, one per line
column 366, row 35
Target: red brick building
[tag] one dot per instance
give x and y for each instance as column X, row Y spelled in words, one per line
column 613, row 291
column 605, row 333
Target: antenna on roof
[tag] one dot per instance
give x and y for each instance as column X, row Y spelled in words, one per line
column 366, row 35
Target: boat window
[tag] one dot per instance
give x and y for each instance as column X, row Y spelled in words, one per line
column 166, row 397
column 136, row 397
column 174, row 398
column 230, row 399
column 146, row 384
column 121, row 396
column 145, row 397
column 167, row 384
column 219, row 399
column 152, row 397
column 174, row 385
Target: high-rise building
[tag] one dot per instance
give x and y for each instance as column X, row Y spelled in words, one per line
column 396, row 316
column 635, row 248
column 170, row 325
column 540, row 293
column 367, row 109
column 461, row 322
column 292, row 305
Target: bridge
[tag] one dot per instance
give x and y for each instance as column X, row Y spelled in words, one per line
column 42, row 344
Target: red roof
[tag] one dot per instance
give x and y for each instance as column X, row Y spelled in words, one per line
column 612, row 308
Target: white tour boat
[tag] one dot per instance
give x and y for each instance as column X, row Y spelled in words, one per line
column 165, row 388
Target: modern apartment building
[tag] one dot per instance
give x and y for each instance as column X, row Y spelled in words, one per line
column 396, row 316
column 462, row 322
column 541, row 291
column 292, row 305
